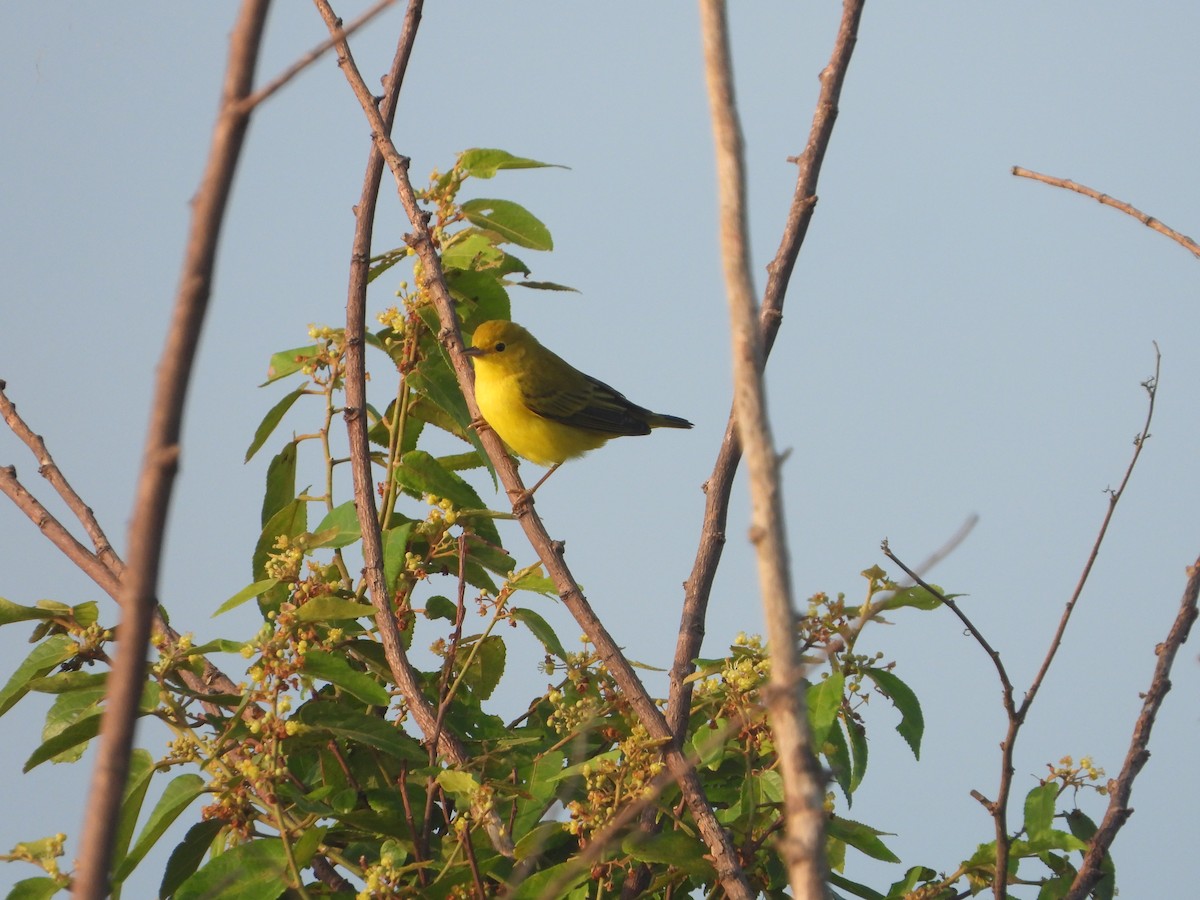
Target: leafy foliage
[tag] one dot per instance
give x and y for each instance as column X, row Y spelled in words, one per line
column 314, row 777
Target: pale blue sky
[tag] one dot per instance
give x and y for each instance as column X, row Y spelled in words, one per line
column 955, row 341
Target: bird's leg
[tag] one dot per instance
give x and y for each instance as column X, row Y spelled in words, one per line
column 521, row 502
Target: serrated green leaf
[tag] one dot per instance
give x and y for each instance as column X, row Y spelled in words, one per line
column 912, row 721
column 176, row 798
column 837, row 752
column 45, row 656
column 484, row 660
column 482, row 162
column 439, row 607
column 255, row 870
column 281, row 482
column 541, row 630
column 271, row 420
column 824, row 701
column 861, row 837
column 188, row 854
column 249, row 592
column 511, row 221
column 288, row 362
column 339, row 528
column 336, row 670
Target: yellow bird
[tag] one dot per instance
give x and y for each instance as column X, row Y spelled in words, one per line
column 544, row 408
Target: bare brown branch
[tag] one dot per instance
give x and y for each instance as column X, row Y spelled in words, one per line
column 1149, row 221
column 803, row 846
column 720, row 482
column 1121, row 787
column 160, row 459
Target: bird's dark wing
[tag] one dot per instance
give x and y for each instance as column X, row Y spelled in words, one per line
column 592, row 405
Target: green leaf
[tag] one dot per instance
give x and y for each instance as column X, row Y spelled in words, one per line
column 288, row 362
column 45, row 656
column 66, row 682
column 837, row 752
column 1039, row 810
column 329, row 608
column 858, row 890
column 486, row 665
column 271, row 420
column 188, row 854
column 916, row 597
column 1085, row 829
column 384, row 261
column 462, row 785
column 485, row 290
column 481, row 162
column 255, row 870
column 542, row 838
column 291, row 520
column 13, row 612
column 281, row 482
column 439, row 607
column 141, row 770
column 359, row 727
column 249, row 592
column 541, row 630
column 178, row 796
column 336, row 670
column 912, row 721
column 339, row 528
column 511, row 221
column 672, row 848
column 471, row 249
column 71, row 737
column 34, row 889
column 824, row 701
column 545, row 286
column 435, row 380
column 858, row 752
column 421, row 474
column 535, row 886
column 861, row 837
column 395, row 546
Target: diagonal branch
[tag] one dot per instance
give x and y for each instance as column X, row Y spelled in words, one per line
column 1149, row 221
column 161, row 457
column 1121, row 787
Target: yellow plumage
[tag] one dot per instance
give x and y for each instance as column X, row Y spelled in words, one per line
column 544, row 408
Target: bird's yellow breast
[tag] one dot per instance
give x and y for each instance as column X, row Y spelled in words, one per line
column 543, row 441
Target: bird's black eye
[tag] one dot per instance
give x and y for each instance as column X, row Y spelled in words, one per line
column 499, row 346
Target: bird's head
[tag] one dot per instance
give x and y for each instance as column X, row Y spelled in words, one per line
column 499, row 342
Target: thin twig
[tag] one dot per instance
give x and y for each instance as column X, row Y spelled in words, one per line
column 161, row 457
column 272, row 86
column 724, row 857
column 1149, row 221
column 803, row 846
column 1121, row 787
column 49, row 470
column 720, row 482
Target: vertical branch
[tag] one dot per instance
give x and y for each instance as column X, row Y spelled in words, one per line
column 720, row 482
column 804, row 844
column 161, row 457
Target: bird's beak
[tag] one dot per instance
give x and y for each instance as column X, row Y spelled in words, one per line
column 473, row 352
